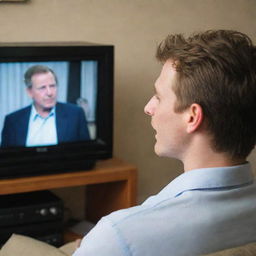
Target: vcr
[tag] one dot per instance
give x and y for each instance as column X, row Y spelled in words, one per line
column 32, row 207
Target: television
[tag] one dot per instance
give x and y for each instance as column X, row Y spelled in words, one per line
column 83, row 75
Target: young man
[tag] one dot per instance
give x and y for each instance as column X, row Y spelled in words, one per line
column 203, row 114
column 46, row 121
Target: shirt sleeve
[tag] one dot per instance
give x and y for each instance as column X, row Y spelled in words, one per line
column 102, row 240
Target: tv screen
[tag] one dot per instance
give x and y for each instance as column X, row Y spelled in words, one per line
column 56, row 107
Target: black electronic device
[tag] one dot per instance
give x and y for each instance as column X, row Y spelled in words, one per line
column 32, row 207
column 85, row 78
column 37, row 214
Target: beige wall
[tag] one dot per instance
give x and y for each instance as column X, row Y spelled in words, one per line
column 134, row 27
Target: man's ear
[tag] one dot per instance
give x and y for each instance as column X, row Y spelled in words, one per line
column 194, row 117
column 28, row 90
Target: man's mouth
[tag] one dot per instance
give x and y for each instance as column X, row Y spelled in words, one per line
column 152, row 125
column 49, row 101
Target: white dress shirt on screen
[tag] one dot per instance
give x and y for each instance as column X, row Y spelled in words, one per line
column 41, row 131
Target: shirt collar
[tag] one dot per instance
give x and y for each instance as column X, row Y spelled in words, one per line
column 35, row 115
column 210, row 178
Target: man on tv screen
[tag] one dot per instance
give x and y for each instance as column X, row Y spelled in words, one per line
column 45, row 121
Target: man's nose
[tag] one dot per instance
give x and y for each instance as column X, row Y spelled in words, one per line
column 149, row 108
column 49, row 91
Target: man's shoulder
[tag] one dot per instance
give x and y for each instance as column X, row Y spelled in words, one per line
column 19, row 113
column 125, row 214
column 67, row 106
column 145, row 212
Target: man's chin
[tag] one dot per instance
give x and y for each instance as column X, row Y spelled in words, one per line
column 49, row 105
column 48, row 108
column 161, row 151
column 157, row 150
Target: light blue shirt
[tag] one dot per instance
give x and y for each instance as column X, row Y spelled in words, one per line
column 199, row 212
column 41, row 131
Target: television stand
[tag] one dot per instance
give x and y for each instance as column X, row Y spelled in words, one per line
column 110, row 186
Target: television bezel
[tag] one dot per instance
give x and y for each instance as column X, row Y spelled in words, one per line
column 30, row 161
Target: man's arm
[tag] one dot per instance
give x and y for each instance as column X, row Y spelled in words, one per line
column 102, row 240
column 5, row 134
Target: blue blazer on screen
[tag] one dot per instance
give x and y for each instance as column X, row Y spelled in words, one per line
column 71, row 125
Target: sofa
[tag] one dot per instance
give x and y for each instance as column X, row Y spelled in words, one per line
column 23, row 246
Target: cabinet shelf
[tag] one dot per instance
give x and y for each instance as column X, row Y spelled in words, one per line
column 110, row 186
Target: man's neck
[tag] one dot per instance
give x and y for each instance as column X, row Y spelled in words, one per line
column 203, row 156
column 43, row 112
column 211, row 162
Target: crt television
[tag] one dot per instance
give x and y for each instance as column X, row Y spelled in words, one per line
column 84, row 74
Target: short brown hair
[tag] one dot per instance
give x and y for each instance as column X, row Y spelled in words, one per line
column 217, row 70
column 37, row 69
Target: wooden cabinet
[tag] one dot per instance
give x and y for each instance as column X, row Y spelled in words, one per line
column 110, row 186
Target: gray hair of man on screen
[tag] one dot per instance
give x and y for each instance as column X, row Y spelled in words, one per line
column 37, row 69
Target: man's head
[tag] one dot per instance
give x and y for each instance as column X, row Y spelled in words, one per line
column 217, row 71
column 41, row 84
